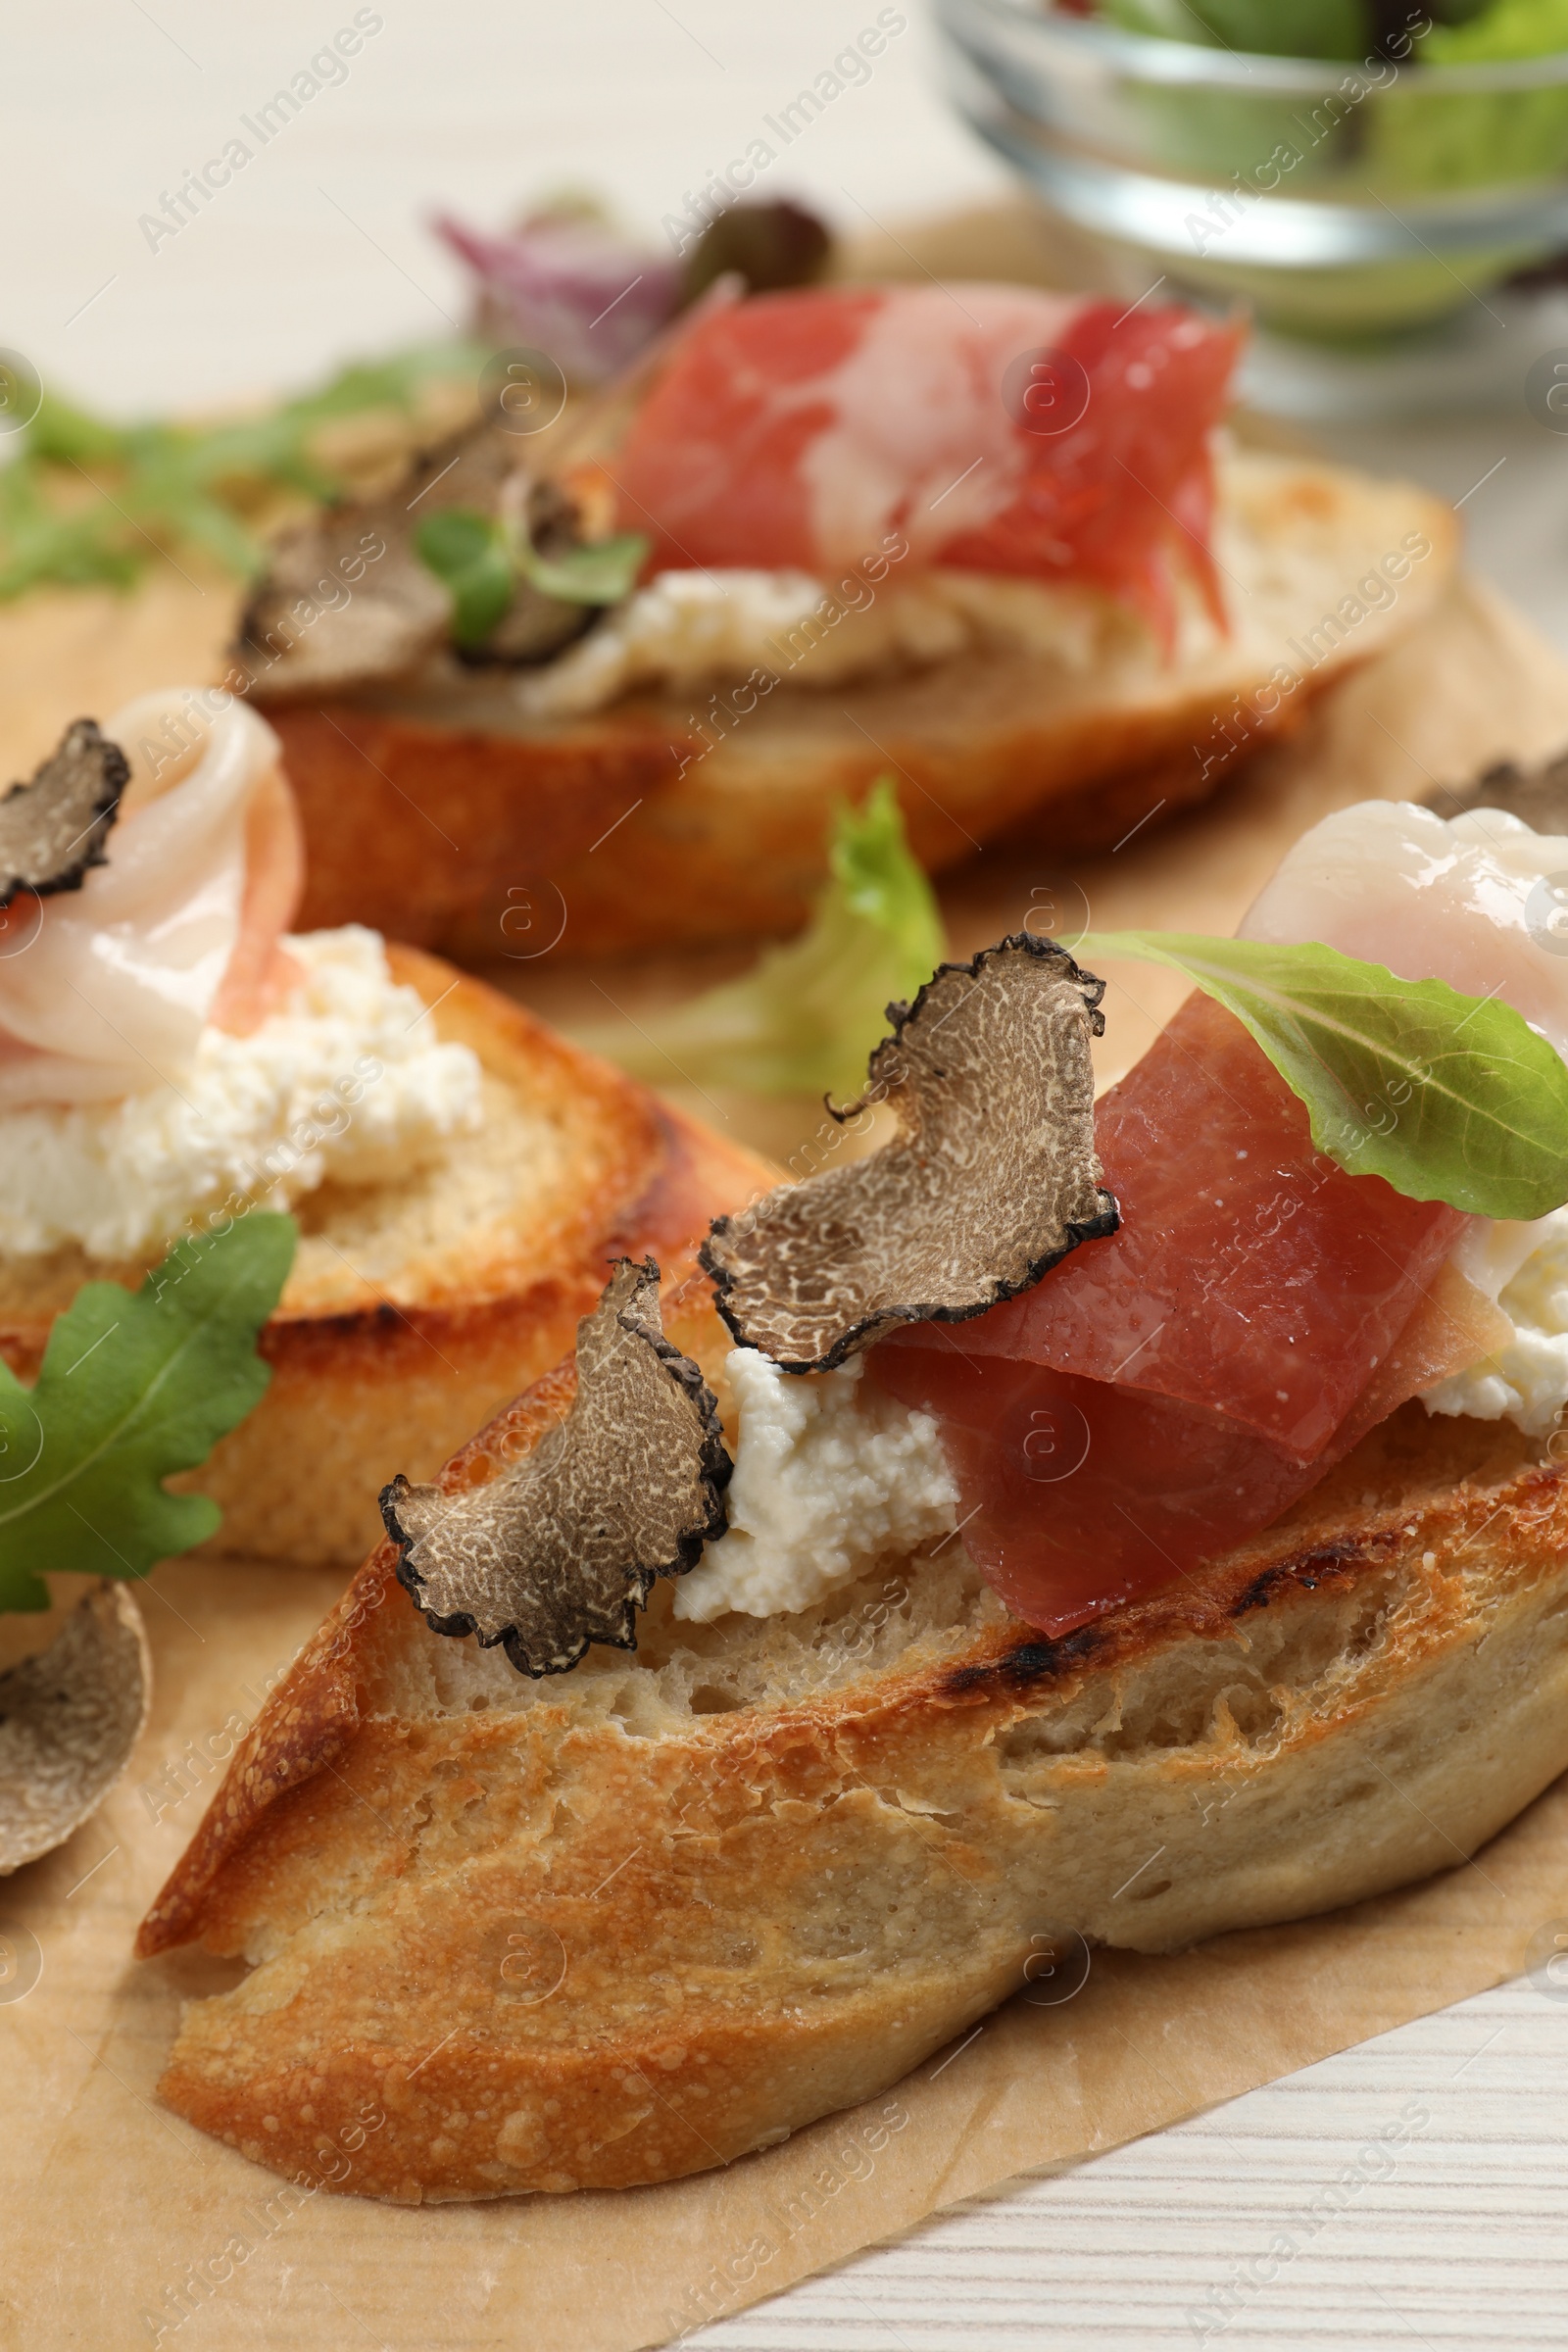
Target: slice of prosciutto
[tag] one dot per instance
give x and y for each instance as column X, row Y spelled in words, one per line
column 818, row 430
column 104, row 991
column 1163, row 1394
column 1171, row 1389
column 1475, row 900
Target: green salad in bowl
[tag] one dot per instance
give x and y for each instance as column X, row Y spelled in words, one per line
column 1416, row 137
column 1349, row 166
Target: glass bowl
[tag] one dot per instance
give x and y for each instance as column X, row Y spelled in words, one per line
column 1337, row 200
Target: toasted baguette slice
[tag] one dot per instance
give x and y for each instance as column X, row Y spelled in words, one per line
column 616, row 1926
column 735, row 844
column 417, row 1308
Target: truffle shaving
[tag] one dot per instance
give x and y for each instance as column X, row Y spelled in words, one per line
column 53, row 829
column 991, row 1181
column 1537, row 795
column 347, row 604
column 70, row 1718
column 563, row 1548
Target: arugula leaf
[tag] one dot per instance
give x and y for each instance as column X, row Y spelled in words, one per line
column 600, row 574
column 1447, row 1097
column 393, row 382
column 133, row 1387
column 804, row 1019
column 470, row 555
column 38, row 545
column 180, row 485
column 64, row 436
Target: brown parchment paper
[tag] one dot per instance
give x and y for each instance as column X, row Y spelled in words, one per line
column 123, row 2228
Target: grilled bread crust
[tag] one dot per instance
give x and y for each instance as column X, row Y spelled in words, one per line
column 721, row 835
column 617, row 1927
column 417, row 1308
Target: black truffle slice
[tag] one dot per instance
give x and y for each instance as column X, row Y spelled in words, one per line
column 564, row 1548
column 993, row 1179
column 53, row 829
column 1539, row 795
column 347, row 604
column 70, row 1717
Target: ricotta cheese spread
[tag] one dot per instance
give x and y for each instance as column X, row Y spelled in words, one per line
column 686, row 628
column 829, row 1477
column 1524, row 1270
column 345, row 1081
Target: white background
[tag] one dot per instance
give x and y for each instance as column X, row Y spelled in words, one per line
column 317, row 252
column 320, row 248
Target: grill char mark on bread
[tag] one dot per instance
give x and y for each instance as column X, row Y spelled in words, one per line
column 1359, row 1698
column 1034, row 1664
column 1027, row 1667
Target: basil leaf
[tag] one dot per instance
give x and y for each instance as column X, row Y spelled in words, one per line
column 601, row 573
column 1447, row 1097
column 134, row 1385
column 470, row 555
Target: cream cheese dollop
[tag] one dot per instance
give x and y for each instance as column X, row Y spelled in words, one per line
column 686, row 628
column 830, row 1476
column 344, row 1081
column 1524, row 1270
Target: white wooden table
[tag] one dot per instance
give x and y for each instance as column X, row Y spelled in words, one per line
column 315, row 252
column 1465, row 2243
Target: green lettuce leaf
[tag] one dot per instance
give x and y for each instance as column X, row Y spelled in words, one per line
column 1447, row 1097
column 1507, row 28
column 1267, row 27
column 804, row 1018
column 1421, row 137
column 134, row 1385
